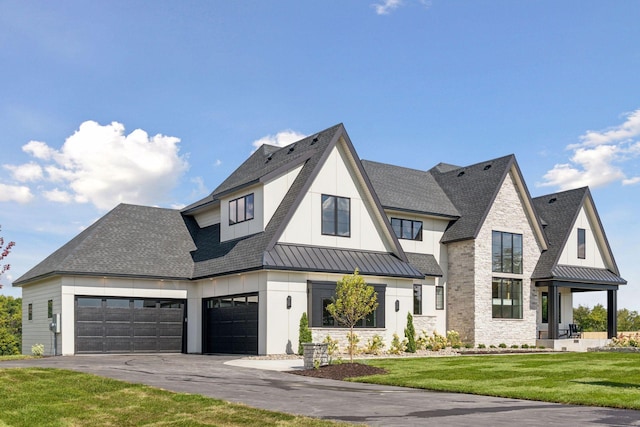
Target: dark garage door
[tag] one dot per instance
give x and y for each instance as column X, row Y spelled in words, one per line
column 128, row 325
column 231, row 324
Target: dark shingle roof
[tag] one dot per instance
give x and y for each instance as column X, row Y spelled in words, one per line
column 426, row 263
column 472, row 190
column 409, row 190
column 559, row 211
column 128, row 241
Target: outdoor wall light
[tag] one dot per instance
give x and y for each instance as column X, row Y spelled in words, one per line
column 288, row 302
column 397, row 305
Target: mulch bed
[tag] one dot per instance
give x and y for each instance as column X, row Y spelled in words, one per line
column 341, row 371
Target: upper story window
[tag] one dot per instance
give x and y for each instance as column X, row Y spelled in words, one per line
column 407, row 229
column 582, row 243
column 439, row 297
column 336, row 216
column 241, row 209
column 506, row 252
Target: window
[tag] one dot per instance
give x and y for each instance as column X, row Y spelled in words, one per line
column 507, row 298
column 581, row 243
column 241, row 209
column 545, row 308
column 439, row 297
column 407, row 229
column 336, row 216
column 417, row 299
column 321, row 294
column 50, row 309
column 30, row 311
column 506, row 252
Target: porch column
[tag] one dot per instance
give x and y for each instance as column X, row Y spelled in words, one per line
column 612, row 313
column 553, row 310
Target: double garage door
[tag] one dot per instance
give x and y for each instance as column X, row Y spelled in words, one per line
column 231, row 324
column 128, row 325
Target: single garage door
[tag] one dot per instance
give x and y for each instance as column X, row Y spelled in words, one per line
column 231, row 324
column 128, row 325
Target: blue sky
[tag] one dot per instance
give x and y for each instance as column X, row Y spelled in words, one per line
column 157, row 102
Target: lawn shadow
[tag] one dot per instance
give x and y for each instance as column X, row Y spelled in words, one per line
column 608, row 384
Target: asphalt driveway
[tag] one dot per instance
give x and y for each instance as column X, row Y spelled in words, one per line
column 361, row 403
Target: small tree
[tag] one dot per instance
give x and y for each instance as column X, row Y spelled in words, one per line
column 4, row 252
column 410, row 334
column 304, row 334
column 354, row 300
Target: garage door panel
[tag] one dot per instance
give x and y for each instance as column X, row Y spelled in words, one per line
column 231, row 324
column 121, row 325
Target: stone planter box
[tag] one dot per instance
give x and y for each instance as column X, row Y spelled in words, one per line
column 315, row 352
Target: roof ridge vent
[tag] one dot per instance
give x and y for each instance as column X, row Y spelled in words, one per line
column 487, row 167
column 269, row 157
column 460, row 173
column 553, row 199
column 315, row 138
column 292, row 147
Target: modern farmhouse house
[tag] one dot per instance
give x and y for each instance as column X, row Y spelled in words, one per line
column 461, row 248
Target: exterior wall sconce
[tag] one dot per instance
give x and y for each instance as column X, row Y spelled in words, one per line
column 288, row 302
column 397, row 306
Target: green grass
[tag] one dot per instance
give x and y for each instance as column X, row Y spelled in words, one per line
column 595, row 379
column 54, row 397
column 16, row 357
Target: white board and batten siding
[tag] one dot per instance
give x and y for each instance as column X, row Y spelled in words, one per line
column 593, row 252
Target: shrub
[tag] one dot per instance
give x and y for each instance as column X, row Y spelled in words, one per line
column 453, row 339
column 525, row 346
column 397, row 346
column 374, row 345
column 332, row 345
column 37, row 350
column 352, row 344
column 482, row 346
column 492, row 346
column 468, row 345
column 304, row 333
column 436, row 342
column 421, row 341
column 515, row 346
column 410, row 334
column 625, row 341
column 502, row 345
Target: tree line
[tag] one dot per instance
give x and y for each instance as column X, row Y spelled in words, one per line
column 10, row 325
column 595, row 319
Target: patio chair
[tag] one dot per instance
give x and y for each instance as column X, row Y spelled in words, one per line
column 574, row 331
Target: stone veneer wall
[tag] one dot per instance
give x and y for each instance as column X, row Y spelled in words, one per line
column 460, row 291
column 508, row 215
column 340, row 334
column 426, row 323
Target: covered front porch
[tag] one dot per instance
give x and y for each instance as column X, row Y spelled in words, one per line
column 569, row 280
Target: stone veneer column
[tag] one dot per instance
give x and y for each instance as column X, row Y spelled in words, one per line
column 460, row 291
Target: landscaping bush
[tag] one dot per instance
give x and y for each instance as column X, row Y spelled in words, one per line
column 397, row 346
column 410, row 334
column 374, row 345
column 304, row 333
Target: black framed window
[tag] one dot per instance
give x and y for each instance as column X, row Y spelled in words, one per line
column 336, row 216
column 30, row 311
column 417, row 299
column 506, row 252
column 545, row 308
column 506, row 298
column 241, row 209
column 50, row 309
column 439, row 297
column 582, row 243
column 321, row 294
column 407, row 229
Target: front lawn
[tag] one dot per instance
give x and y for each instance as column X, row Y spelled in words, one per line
column 54, row 397
column 596, row 379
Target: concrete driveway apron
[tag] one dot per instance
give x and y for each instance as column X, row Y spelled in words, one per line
column 361, row 403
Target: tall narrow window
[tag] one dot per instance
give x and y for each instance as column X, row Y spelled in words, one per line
column 506, row 252
column 417, row 299
column 582, row 237
column 439, row 297
column 545, row 308
column 407, row 229
column 30, row 311
column 336, row 216
column 241, row 209
column 50, row 309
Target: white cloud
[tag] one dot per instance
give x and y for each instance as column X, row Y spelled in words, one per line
column 280, row 139
column 29, row 172
column 104, row 166
column 599, row 158
column 15, row 193
column 217, row 163
column 58, row 196
column 386, row 6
